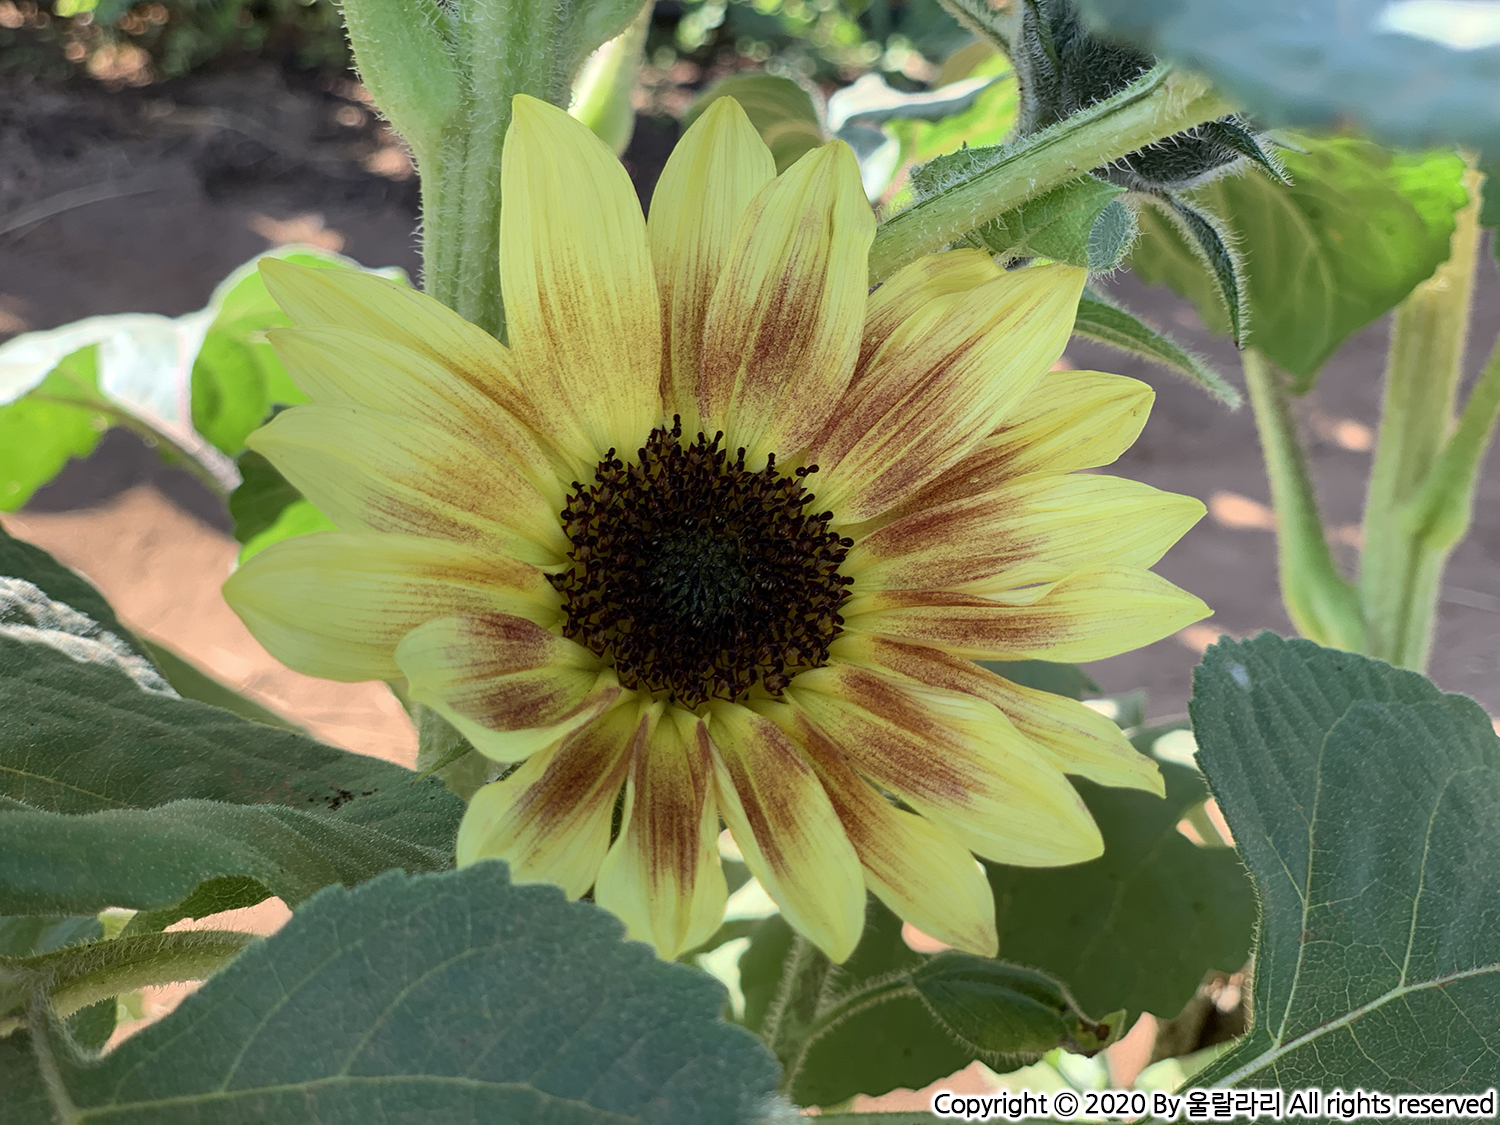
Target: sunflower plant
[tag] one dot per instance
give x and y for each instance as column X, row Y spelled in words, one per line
column 733, row 560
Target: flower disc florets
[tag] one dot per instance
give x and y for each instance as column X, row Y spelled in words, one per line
column 698, row 578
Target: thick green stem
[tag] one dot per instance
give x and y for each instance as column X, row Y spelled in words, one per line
column 1322, row 604
column 1400, row 569
column 74, row 978
column 445, row 75
column 1160, row 104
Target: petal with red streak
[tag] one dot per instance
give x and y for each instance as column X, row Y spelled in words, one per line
column 550, row 819
column 1089, row 615
column 783, row 326
column 918, row 870
column 1077, row 739
column 509, row 686
column 335, row 604
column 662, row 876
column 786, row 827
column 956, row 760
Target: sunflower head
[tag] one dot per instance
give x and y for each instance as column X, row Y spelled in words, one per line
column 714, row 539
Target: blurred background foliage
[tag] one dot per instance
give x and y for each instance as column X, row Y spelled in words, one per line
column 827, row 42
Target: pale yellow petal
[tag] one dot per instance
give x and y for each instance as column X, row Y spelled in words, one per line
column 371, row 471
column 341, row 367
column 939, row 385
column 914, row 867
column 1038, row 528
column 581, row 308
column 714, row 172
column 1087, row 616
column 387, row 310
column 509, row 686
column 335, row 604
column 952, row 758
column 912, row 288
column 550, row 819
column 662, row 876
column 784, row 824
column 1070, row 420
column 783, row 326
column 1076, row 739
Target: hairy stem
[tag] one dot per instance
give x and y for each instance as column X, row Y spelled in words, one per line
column 445, row 75
column 76, row 977
column 1400, row 572
column 1163, row 102
column 1322, row 604
column 38, row 1023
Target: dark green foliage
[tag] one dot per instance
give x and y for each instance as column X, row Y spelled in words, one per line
column 1103, row 322
column 262, row 495
column 1367, row 806
column 1327, row 64
column 891, row 1017
column 1138, row 927
column 451, row 998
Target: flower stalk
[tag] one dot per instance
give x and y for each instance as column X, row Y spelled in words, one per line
column 1162, row 103
column 1421, row 483
column 1322, row 603
column 445, row 76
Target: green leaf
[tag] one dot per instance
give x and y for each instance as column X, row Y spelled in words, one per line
column 20, row 559
column 781, row 111
column 1208, row 239
column 448, row 998
column 30, row 934
column 236, row 377
column 987, row 122
column 1105, row 323
column 260, row 499
column 1407, row 74
column 1138, row 927
column 151, row 859
column 191, row 682
column 26, row 1100
column 60, row 419
column 1064, row 223
column 113, row 797
column 81, row 976
column 891, row 1017
column 298, row 518
column 1357, row 230
column 195, row 384
column 1367, row 806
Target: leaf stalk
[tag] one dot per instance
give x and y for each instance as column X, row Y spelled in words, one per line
column 1161, row 103
column 1422, row 481
column 1322, row 603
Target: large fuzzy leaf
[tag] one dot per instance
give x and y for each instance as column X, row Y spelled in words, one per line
column 1357, row 230
column 1138, row 927
column 1367, row 805
column 453, row 998
column 1412, row 73
column 112, row 795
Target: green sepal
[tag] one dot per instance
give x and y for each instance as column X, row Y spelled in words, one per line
column 1104, row 322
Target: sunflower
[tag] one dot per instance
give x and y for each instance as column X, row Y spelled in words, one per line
column 717, row 536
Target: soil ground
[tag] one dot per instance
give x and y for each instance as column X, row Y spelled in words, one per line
column 142, row 200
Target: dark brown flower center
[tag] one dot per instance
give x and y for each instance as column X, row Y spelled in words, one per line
column 698, row 578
